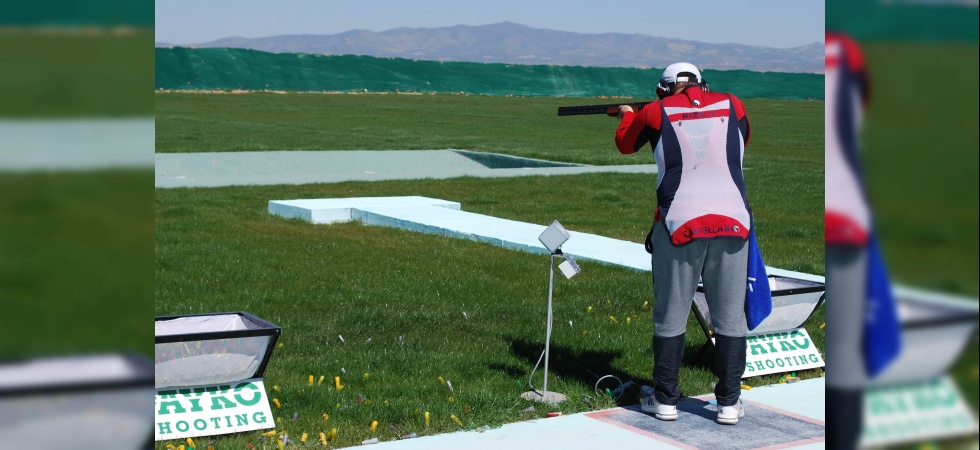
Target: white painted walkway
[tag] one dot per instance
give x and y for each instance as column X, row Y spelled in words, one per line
column 301, row 167
column 443, row 217
column 76, row 144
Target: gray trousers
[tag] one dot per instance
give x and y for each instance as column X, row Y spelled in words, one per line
column 846, row 270
column 721, row 265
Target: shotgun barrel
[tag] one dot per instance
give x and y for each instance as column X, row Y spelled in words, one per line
column 610, row 109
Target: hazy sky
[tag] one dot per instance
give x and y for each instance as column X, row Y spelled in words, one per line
column 771, row 23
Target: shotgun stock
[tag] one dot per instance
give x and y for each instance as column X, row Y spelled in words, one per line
column 610, row 109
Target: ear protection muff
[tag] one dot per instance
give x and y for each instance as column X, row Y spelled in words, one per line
column 663, row 89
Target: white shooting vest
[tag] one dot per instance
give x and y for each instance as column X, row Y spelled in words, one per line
column 847, row 214
column 701, row 188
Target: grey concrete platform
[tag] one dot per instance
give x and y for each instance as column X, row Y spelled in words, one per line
column 796, row 411
column 302, row 167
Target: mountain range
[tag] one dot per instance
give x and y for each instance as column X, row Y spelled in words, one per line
column 512, row 43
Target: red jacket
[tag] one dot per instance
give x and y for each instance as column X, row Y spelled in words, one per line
column 698, row 140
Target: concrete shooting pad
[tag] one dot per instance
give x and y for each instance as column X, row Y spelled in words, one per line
column 173, row 170
column 780, row 416
column 763, row 426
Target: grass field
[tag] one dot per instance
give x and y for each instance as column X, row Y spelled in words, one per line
column 520, row 126
column 76, row 275
column 64, row 73
column 922, row 165
column 218, row 249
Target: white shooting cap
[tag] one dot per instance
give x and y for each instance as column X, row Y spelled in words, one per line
column 670, row 73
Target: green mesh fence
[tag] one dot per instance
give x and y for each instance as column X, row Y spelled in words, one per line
column 136, row 13
column 904, row 21
column 227, row 68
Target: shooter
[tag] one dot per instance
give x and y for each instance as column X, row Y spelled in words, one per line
column 700, row 230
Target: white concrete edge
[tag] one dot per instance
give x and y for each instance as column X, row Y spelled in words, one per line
column 793, row 274
column 375, row 218
column 336, row 210
column 278, row 208
column 939, row 298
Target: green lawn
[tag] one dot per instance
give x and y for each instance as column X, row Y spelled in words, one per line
column 921, row 164
column 72, row 73
column 521, row 126
column 218, row 250
column 76, row 271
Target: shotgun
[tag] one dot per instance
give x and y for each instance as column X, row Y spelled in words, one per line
column 611, row 109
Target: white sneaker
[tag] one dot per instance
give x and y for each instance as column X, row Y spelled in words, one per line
column 729, row 415
column 659, row 410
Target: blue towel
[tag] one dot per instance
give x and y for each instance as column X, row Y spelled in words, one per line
column 882, row 330
column 758, row 297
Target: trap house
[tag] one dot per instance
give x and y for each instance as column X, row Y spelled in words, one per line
column 76, row 401
column 208, row 372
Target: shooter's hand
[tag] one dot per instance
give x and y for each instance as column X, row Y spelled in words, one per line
column 622, row 110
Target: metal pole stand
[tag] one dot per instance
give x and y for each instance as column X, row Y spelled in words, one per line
column 544, row 396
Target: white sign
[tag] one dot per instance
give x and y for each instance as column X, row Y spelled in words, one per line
column 914, row 412
column 785, row 351
column 209, row 410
